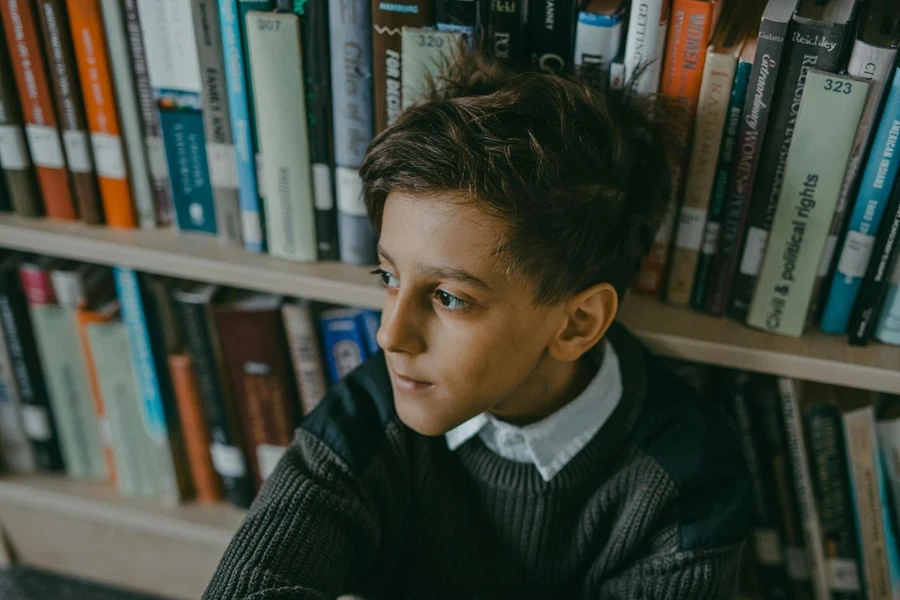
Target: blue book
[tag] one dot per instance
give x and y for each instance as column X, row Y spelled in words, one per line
column 350, row 29
column 370, row 321
column 242, row 132
column 183, row 137
column 146, row 366
column 874, row 192
column 343, row 343
column 174, row 70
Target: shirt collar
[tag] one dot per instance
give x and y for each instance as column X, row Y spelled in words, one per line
column 552, row 442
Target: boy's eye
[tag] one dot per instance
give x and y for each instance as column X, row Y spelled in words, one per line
column 387, row 280
column 451, row 302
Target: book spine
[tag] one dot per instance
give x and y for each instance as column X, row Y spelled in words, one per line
column 242, row 127
column 83, row 319
column 369, row 322
column 888, row 434
column 220, row 150
column 350, row 29
column 757, row 109
column 458, row 16
column 303, row 342
column 862, row 457
column 244, row 7
column 812, row 530
column 425, row 53
column 290, row 227
column 766, row 540
column 314, row 39
column 226, row 448
column 129, row 112
column 875, row 65
column 644, row 44
column 812, row 179
column 679, row 87
column 888, row 328
column 829, row 473
column 874, row 192
column 875, row 284
column 551, row 34
column 171, row 53
column 343, row 344
column 813, row 46
column 36, row 100
column 152, row 411
column 63, row 79
column 37, row 415
column 37, row 283
column 597, row 42
column 86, row 21
column 258, row 364
column 724, row 163
column 153, row 143
column 15, row 160
column 196, row 434
column 70, row 394
column 16, row 452
column 712, row 111
column 388, row 20
column 506, row 33
column 108, row 343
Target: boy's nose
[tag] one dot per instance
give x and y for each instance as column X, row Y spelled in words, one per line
column 400, row 326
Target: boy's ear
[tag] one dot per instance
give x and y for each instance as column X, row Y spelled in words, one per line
column 588, row 315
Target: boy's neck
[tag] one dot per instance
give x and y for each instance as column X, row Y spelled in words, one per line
column 550, row 386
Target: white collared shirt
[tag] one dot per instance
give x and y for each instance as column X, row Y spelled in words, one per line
column 552, row 442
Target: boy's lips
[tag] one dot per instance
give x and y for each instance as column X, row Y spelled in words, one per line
column 408, row 384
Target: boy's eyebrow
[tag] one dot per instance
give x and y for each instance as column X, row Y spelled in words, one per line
column 445, row 272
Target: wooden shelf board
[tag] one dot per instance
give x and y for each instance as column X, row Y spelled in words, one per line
column 675, row 332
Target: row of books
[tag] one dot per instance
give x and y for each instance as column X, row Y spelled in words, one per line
column 135, row 112
column 167, row 389
column 782, row 213
column 825, row 470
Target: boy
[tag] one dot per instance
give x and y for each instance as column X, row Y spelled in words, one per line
column 511, row 440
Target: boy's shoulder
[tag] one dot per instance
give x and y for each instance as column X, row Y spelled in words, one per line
column 354, row 415
column 696, row 445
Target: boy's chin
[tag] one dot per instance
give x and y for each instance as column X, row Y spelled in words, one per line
column 422, row 421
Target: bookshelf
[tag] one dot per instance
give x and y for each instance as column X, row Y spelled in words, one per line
column 675, row 332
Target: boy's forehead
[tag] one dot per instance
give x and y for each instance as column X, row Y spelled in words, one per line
column 441, row 228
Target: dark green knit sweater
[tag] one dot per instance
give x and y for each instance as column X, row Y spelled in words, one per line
column 655, row 506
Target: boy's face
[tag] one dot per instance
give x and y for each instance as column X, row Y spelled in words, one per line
column 460, row 337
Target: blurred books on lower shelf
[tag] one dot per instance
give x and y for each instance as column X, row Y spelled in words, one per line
column 166, row 389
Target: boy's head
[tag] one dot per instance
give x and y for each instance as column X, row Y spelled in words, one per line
column 513, row 212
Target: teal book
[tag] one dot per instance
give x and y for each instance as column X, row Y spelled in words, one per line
column 812, row 179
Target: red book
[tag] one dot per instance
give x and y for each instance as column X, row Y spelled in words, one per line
column 44, row 140
column 37, row 282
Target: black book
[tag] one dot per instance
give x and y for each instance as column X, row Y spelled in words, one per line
column 37, row 414
column 551, row 34
column 877, row 280
column 766, row 539
column 820, row 38
column 192, row 301
column 317, row 72
column 506, row 24
column 464, row 16
column 828, row 466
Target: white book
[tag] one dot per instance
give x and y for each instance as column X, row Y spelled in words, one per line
column 278, row 88
column 65, row 372
column 303, row 341
column 598, row 38
column 425, row 56
column 645, row 43
column 15, row 449
column 169, row 44
column 129, row 111
column 109, row 346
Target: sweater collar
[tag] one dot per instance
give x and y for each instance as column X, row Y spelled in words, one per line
column 597, row 454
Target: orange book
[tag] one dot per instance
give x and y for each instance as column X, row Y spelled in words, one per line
column 41, row 127
column 86, row 23
column 84, row 317
column 690, row 23
column 193, row 427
